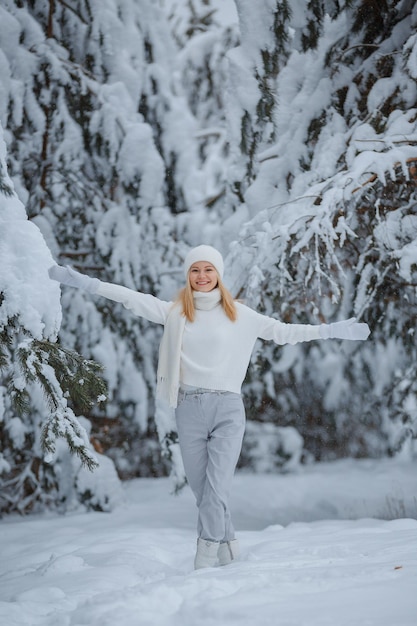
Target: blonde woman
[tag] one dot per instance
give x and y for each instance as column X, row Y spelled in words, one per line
column 204, row 355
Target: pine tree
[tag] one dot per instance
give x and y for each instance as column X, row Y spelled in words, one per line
column 101, row 147
column 204, row 40
column 252, row 109
column 333, row 232
column 32, row 361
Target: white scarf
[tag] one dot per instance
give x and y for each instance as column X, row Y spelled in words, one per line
column 168, row 375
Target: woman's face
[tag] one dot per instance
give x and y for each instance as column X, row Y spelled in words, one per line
column 203, row 276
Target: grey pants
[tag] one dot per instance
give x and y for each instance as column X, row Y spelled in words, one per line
column 210, row 430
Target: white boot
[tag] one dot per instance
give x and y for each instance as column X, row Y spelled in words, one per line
column 206, row 555
column 228, row 551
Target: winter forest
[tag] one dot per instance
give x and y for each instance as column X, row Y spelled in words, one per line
column 283, row 132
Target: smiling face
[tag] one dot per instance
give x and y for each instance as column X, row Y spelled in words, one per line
column 203, row 276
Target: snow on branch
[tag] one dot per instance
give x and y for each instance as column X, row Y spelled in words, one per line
column 62, row 374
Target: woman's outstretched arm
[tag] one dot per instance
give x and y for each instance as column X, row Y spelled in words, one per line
column 141, row 304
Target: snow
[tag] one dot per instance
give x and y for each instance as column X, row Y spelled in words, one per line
column 24, row 263
column 225, row 11
column 334, row 544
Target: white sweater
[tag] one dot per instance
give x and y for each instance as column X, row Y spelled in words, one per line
column 215, row 351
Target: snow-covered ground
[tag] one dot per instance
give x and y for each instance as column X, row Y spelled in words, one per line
column 332, row 545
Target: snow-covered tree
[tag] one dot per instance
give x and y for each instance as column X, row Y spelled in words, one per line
column 38, row 378
column 101, row 151
column 334, row 230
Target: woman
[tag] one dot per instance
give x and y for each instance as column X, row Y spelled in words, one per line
column 204, row 354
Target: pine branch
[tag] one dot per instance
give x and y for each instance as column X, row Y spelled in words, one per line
column 20, row 398
column 5, row 189
column 4, row 358
column 60, row 373
column 63, row 424
column 70, row 8
column 78, row 377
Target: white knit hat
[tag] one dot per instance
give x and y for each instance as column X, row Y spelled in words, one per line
column 204, row 253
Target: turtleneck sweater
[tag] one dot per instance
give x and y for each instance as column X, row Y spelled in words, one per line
column 215, row 352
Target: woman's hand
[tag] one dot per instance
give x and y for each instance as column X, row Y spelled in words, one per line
column 347, row 329
column 68, row 276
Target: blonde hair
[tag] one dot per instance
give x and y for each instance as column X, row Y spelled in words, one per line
column 186, row 300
